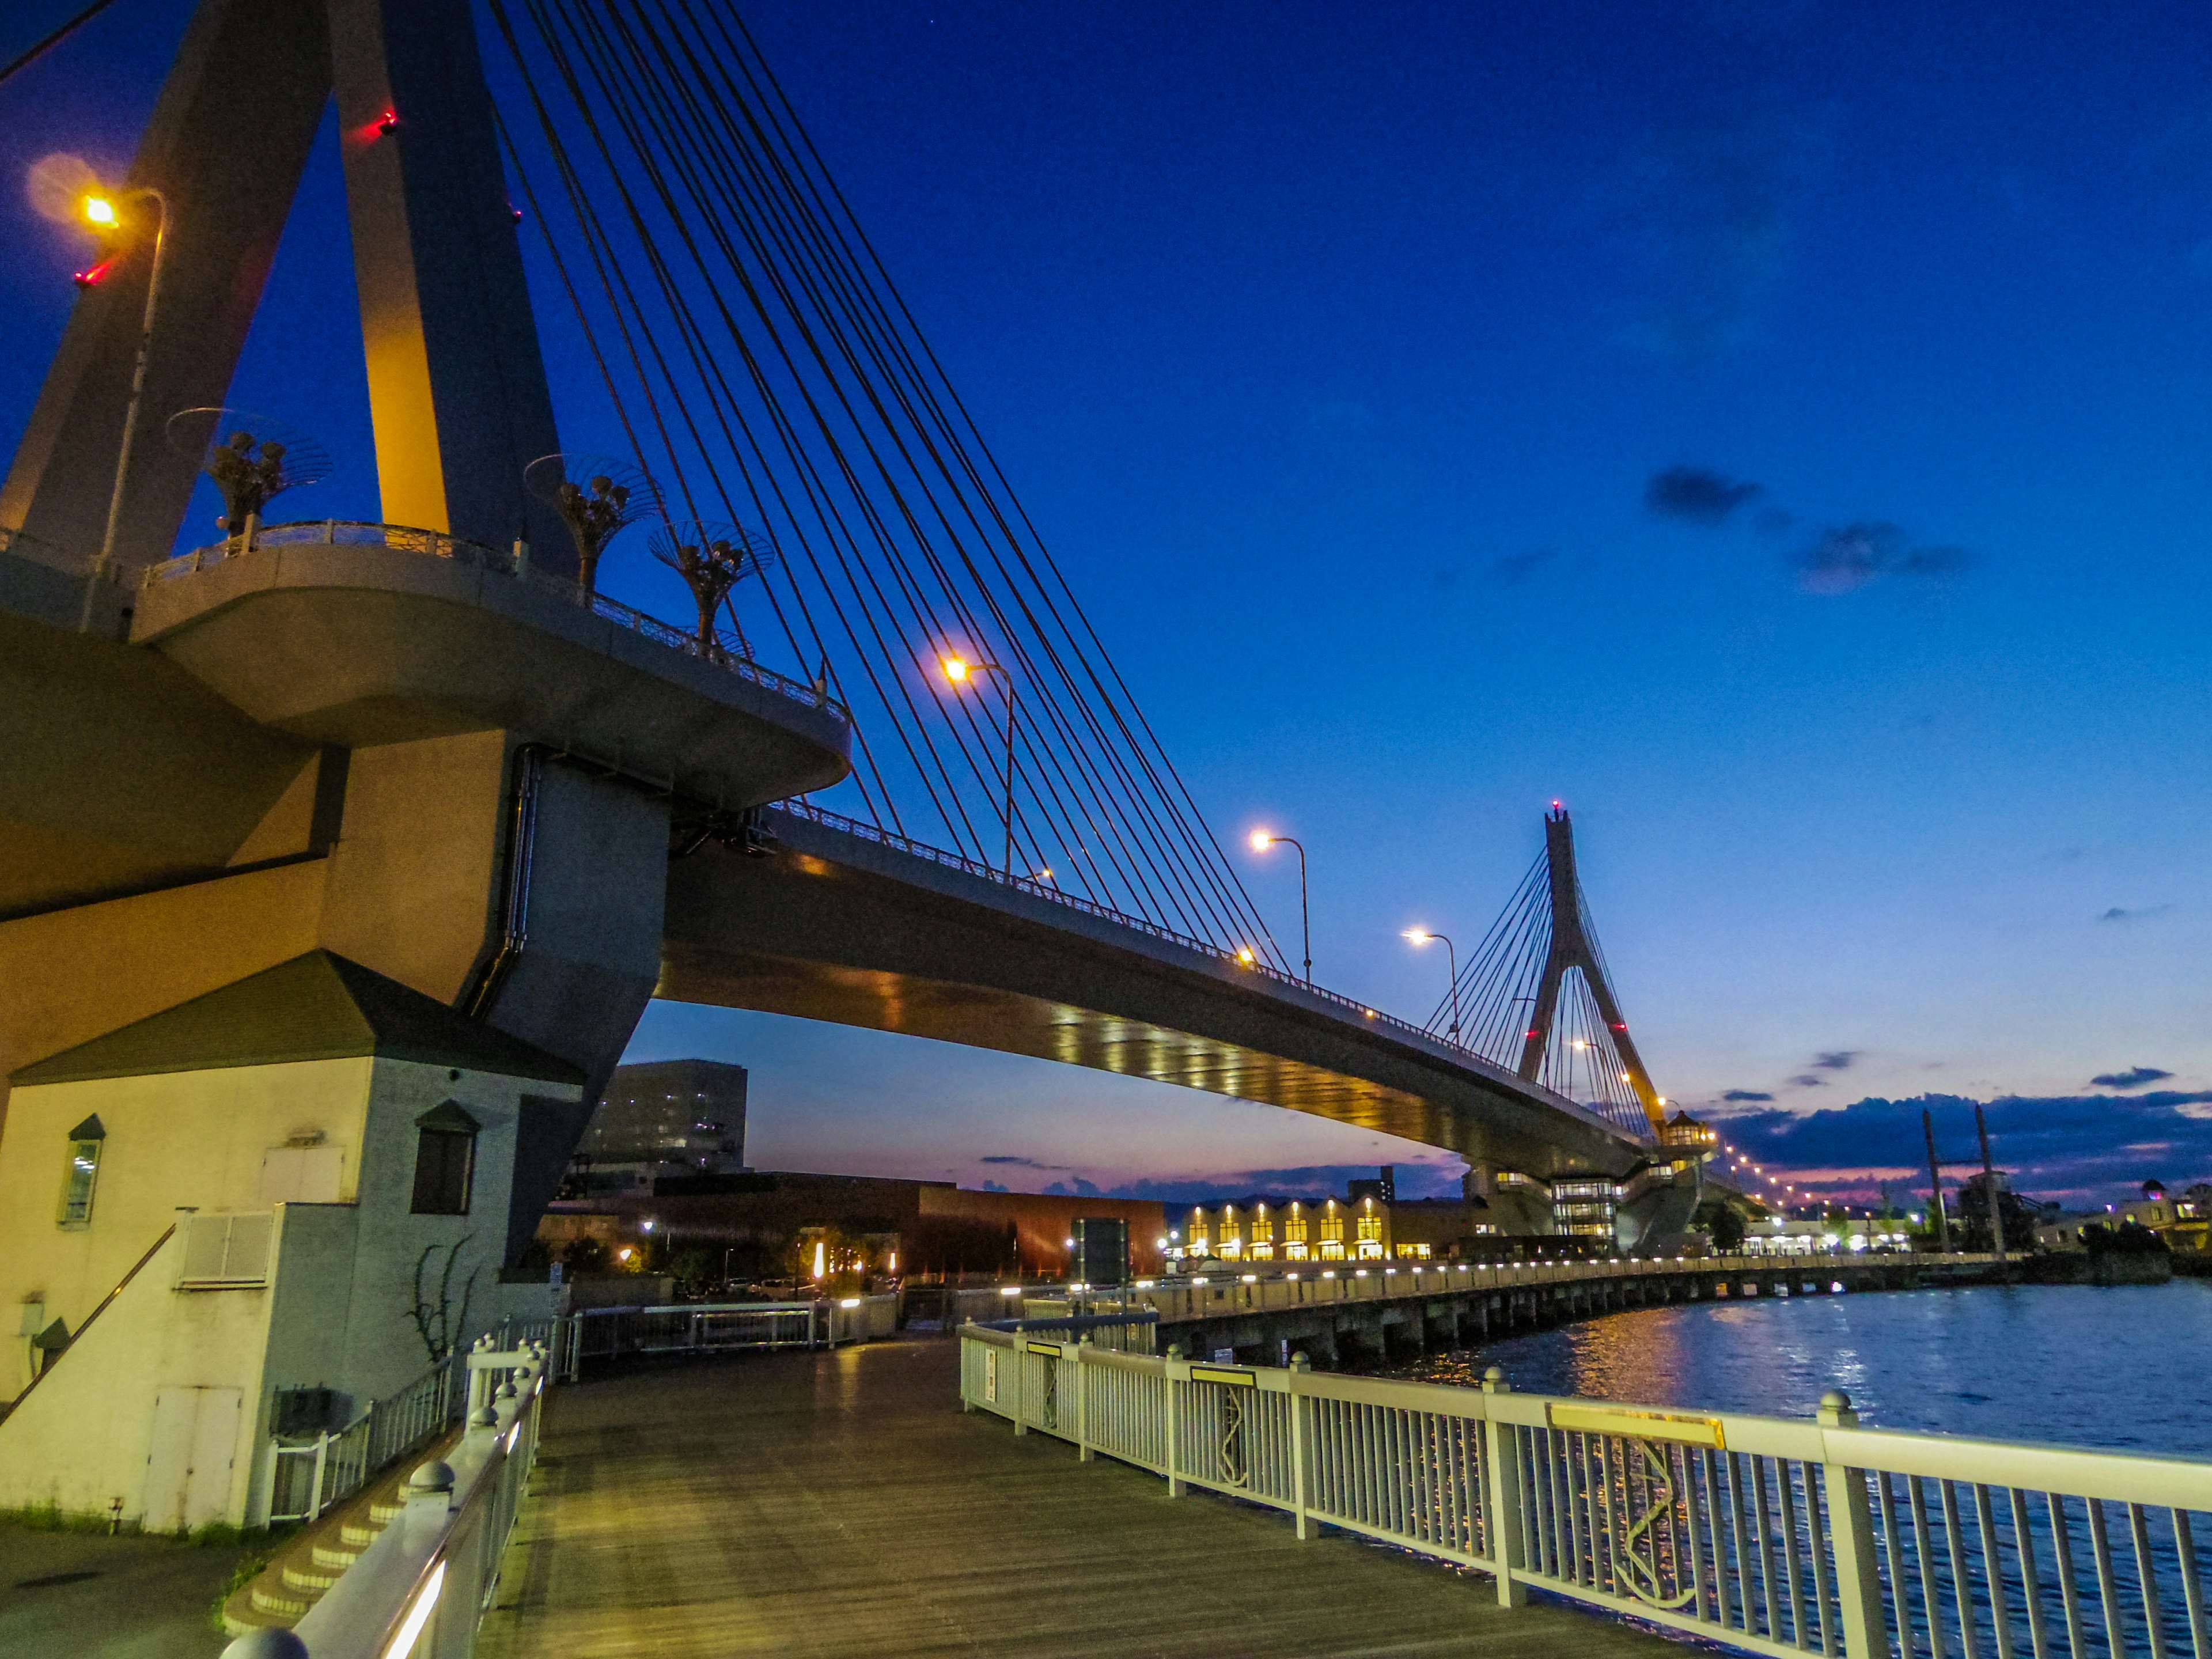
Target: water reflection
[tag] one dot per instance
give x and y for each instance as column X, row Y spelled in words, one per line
column 2129, row 1367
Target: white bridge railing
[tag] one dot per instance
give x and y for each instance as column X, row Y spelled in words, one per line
column 420, row 1590
column 1773, row 1535
column 719, row 1327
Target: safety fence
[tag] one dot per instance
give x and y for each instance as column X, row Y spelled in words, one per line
column 421, row 1587
column 723, row 650
column 1774, row 1535
column 307, row 1477
column 695, row 1327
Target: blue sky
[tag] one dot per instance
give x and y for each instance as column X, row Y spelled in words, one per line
column 1778, row 431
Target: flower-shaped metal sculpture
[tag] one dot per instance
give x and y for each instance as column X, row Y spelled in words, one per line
column 712, row 559
column 252, row 458
column 596, row 497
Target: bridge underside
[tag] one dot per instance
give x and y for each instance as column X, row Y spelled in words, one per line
column 837, row 928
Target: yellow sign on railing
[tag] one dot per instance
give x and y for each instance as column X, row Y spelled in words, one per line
column 1680, row 1426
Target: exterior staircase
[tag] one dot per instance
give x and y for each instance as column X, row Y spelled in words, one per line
column 317, row 1556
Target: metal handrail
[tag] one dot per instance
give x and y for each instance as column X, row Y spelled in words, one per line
column 724, row 651
column 899, row 843
column 1778, row 1537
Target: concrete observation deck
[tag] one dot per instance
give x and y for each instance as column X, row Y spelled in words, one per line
column 826, row 1505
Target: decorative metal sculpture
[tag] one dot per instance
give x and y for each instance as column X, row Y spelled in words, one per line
column 252, row 458
column 596, row 497
column 712, row 559
column 1643, row 1573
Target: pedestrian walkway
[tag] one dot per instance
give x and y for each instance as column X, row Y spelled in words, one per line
column 826, row 1505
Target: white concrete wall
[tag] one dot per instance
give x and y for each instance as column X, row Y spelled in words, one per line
column 338, row 1312
column 79, row 1439
column 174, row 1139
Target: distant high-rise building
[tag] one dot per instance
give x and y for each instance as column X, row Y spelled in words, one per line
column 664, row 1118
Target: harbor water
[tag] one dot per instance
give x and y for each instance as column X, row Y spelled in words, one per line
column 2124, row 1369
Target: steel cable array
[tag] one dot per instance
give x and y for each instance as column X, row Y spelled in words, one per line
column 1499, row 987
column 766, row 373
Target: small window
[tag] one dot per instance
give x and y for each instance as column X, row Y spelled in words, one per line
column 444, row 1160
column 83, row 1172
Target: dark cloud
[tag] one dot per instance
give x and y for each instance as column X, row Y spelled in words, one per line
column 2083, row 1149
column 1078, row 1188
column 1514, row 568
column 2116, row 914
column 2134, row 1078
column 1842, row 560
column 1773, row 522
column 1696, row 495
column 1836, row 1059
column 1021, row 1163
column 1745, row 1095
column 1807, row 1080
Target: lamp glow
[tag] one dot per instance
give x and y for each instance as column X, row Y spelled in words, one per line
column 1261, row 841
column 955, row 669
column 403, row 1644
column 100, row 210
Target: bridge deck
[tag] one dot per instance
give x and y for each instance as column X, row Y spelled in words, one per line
column 826, row 1505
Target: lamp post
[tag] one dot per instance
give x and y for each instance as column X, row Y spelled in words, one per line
column 101, row 211
column 1422, row 936
column 1261, row 841
column 959, row 671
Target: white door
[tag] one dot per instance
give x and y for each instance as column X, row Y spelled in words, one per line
column 189, row 1462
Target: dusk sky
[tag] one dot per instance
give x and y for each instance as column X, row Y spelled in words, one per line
column 1778, row 431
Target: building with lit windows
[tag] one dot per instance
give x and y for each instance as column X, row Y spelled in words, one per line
column 1586, row 1208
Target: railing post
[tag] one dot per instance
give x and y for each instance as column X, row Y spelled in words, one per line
column 322, row 1459
column 1501, row 1496
column 1021, row 1357
column 1301, row 1447
column 1083, row 1452
column 1168, row 1400
column 1851, row 1525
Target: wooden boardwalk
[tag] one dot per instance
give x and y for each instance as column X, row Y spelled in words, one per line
column 840, row 1505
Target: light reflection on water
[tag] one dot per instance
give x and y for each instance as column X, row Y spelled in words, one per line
column 2129, row 1366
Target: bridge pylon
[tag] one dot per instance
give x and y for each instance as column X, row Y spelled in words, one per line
column 1573, row 948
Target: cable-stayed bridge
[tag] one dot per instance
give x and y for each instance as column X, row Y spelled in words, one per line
column 888, row 775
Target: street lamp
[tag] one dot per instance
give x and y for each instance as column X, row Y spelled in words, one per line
column 1261, row 841
column 1422, row 936
column 959, row 671
column 105, row 212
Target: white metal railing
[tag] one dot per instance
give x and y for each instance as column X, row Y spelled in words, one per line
column 309, row 1478
column 720, row 1327
column 1056, row 895
column 726, row 652
column 1774, row 1535
column 1179, row 1300
column 420, row 1590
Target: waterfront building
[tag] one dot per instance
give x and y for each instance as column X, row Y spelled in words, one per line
column 1587, row 1208
column 1783, row 1234
column 332, row 1171
column 2183, row 1221
column 671, row 1117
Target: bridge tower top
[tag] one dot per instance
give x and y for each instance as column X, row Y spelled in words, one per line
column 1574, row 949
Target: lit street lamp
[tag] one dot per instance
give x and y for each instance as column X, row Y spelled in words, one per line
column 1422, row 936
column 103, row 211
column 1261, row 841
column 959, row 671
